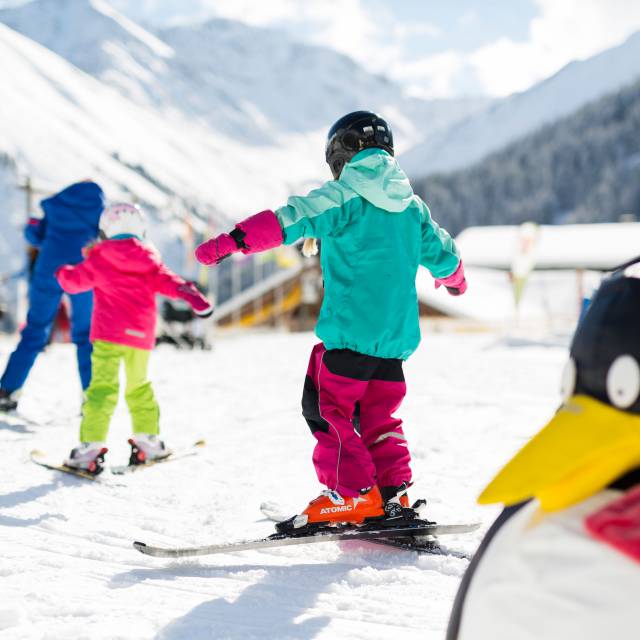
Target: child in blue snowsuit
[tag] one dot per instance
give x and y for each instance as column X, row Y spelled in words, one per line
column 70, row 221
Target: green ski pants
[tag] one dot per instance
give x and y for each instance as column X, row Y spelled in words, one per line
column 102, row 394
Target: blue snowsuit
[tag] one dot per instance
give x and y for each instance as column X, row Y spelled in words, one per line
column 70, row 221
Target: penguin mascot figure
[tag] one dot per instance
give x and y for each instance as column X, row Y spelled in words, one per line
column 562, row 561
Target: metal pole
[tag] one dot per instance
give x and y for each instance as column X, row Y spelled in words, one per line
column 257, row 277
column 236, row 286
column 279, row 306
column 28, row 188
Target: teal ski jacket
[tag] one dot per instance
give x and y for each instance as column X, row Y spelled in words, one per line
column 375, row 232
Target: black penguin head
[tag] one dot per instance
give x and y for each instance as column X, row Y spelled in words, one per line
column 605, row 352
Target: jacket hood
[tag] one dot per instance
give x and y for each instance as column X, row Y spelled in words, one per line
column 84, row 197
column 74, row 212
column 128, row 256
column 376, row 176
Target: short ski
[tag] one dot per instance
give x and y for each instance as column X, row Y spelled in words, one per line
column 327, row 534
column 193, row 450
column 40, row 458
column 276, row 513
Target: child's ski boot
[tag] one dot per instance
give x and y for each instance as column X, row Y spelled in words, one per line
column 87, row 456
column 330, row 509
column 375, row 507
column 7, row 401
column 147, row 447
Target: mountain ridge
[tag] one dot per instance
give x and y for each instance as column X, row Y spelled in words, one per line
column 504, row 121
column 584, row 167
column 250, row 83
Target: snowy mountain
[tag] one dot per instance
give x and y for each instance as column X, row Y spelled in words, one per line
column 515, row 116
column 59, row 124
column 250, row 84
column 218, row 119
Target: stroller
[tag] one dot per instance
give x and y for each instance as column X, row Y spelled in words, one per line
column 180, row 327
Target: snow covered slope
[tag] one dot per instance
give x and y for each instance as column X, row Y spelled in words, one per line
column 219, row 119
column 59, row 125
column 249, row 84
column 506, row 120
column 69, row 571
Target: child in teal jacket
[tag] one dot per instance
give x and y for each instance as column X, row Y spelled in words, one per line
column 375, row 233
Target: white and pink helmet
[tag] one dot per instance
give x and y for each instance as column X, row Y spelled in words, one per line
column 123, row 218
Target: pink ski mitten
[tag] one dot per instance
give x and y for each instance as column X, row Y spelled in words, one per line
column 217, row 249
column 200, row 305
column 259, row 232
column 456, row 283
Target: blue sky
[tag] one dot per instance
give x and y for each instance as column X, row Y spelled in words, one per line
column 464, row 24
column 434, row 48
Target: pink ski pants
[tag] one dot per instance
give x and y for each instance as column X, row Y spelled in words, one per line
column 348, row 402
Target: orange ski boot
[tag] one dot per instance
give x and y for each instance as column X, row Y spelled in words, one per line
column 332, row 508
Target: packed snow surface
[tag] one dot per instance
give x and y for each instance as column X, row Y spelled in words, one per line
column 68, row 569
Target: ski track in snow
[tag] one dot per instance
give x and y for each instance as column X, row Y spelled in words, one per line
column 68, row 569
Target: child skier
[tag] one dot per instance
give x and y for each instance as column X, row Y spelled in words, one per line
column 375, row 232
column 125, row 275
column 70, row 221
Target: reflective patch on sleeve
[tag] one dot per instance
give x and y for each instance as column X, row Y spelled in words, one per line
column 390, row 434
column 618, row 524
column 134, row 333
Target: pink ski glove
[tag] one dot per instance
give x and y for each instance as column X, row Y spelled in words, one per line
column 217, row 249
column 200, row 305
column 260, row 232
column 456, row 283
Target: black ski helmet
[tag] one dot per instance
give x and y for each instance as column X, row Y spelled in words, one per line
column 605, row 352
column 351, row 134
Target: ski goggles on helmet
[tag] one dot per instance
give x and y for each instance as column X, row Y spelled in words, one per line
column 355, row 139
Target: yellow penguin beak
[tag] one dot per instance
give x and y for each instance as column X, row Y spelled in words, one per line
column 585, row 446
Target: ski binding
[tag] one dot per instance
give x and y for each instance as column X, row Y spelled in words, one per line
column 418, row 543
column 40, row 458
column 193, row 450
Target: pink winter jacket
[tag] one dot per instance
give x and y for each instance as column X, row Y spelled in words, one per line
column 125, row 276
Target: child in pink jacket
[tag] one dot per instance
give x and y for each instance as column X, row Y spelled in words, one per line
column 125, row 275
